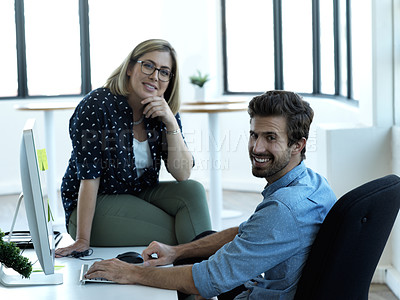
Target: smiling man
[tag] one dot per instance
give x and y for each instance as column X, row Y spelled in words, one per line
column 264, row 256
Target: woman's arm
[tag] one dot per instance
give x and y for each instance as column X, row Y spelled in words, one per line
column 180, row 160
column 87, row 196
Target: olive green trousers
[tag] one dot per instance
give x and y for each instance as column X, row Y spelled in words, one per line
column 172, row 213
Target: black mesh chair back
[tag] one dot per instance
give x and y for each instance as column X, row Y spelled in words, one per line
column 350, row 242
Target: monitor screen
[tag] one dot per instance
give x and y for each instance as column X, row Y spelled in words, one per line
column 37, row 212
column 36, row 205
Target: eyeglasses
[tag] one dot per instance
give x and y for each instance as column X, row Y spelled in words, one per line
column 148, row 68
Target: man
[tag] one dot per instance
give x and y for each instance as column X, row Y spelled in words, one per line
column 274, row 241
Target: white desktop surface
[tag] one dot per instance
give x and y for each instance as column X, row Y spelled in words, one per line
column 71, row 288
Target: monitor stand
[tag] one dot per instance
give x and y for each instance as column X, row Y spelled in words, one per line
column 35, row 278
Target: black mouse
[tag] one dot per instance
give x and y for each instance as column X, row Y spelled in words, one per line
column 130, row 257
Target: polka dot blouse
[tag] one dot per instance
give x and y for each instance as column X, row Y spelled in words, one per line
column 102, row 139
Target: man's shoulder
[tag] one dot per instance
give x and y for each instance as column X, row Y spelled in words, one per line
column 307, row 184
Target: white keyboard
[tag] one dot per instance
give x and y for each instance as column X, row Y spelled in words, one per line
column 84, row 280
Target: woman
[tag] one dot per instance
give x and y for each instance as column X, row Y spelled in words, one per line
column 120, row 133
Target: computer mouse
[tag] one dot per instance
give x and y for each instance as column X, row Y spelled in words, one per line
column 130, row 257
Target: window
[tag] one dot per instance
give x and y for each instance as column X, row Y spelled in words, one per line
column 250, row 65
column 361, row 40
column 297, row 45
column 309, row 46
column 8, row 57
column 327, row 47
column 300, row 45
column 123, row 18
column 41, row 54
column 52, row 47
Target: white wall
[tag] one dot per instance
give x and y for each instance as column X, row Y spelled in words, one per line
column 396, row 230
column 367, row 149
column 348, row 145
column 394, row 274
column 12, row 123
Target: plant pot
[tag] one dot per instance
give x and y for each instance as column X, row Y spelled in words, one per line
column 198, row 93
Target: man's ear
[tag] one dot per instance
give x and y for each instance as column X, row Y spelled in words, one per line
column 299, row 146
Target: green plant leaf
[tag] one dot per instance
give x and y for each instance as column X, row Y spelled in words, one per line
column 10, row 257
column 199, row 79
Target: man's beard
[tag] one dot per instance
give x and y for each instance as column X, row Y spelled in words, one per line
column 277, row 165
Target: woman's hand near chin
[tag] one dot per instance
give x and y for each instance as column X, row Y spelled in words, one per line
column 180, row 161
column 157, row 107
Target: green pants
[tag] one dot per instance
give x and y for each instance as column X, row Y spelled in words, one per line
column 171, row 213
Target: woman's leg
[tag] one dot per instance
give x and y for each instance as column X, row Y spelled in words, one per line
column 126, row 220
column 186, row 201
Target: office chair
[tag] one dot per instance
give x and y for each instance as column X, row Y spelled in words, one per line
column 350, row 243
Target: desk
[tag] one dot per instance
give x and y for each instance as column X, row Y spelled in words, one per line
column 49, row 108
column 72, row 289
column 212, row 109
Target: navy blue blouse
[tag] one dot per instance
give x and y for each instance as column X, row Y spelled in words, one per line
column 102, row 141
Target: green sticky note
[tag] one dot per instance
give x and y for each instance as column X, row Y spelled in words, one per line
column 42, row 159
column 49, row 213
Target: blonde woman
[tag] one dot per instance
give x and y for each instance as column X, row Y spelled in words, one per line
column 120, row 134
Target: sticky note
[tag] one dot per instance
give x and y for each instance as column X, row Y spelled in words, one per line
column 42, row 159
column 49, row 213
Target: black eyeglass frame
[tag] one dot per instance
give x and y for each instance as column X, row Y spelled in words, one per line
column 158, row 69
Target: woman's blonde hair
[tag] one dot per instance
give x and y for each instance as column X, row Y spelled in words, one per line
column 118, row 82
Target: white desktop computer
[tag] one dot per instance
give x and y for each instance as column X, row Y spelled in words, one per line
column 37, row 212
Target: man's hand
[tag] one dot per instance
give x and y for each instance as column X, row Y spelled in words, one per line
column 165, row 254
column 173, row 278
column 113, row 269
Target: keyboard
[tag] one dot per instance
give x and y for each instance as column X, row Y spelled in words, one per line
column 84, row 280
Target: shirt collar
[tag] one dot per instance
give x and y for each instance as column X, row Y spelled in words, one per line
column 285, row 180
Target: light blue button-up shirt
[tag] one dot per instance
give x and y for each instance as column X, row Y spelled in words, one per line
column 274, row 241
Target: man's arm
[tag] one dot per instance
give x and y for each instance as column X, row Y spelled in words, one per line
column 174, row 278
column 203, row 247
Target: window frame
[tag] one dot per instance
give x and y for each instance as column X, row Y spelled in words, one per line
column 86, row 87
column 23, row 92
column 316, row 51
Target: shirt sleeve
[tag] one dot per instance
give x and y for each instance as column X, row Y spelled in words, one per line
column 269, row 237
column 85, row 133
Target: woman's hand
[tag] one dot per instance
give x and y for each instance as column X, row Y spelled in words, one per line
column 165, row 255
column 79, row 246
column 158, row 107
column 180, row 160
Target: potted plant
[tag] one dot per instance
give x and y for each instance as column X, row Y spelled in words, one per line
column 11, row 258
column 198, row 81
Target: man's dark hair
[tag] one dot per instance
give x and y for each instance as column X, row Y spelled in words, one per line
column 298, row 113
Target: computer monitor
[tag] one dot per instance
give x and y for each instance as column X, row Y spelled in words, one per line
column 39, row 222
